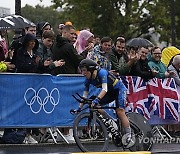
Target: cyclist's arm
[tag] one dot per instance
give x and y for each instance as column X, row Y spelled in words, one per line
column 103, row 75
column 103, row 91
column 85, row 95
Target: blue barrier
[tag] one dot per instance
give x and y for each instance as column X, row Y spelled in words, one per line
column 37, row 100
column 34, row 100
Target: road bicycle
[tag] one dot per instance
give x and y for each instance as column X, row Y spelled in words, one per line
column 92, row 131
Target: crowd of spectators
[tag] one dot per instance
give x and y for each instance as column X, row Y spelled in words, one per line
column 40, row 50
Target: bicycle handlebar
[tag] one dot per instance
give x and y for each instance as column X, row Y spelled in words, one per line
column 88, row 101
column 82, row 99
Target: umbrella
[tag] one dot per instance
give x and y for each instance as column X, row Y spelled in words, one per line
column 139, row 42
column 14, row 22
column 6, row 24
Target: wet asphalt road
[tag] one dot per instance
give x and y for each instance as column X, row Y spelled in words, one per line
column 72, row 148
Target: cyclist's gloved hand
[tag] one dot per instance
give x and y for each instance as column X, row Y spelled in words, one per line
column 78, row 110
column 96, row 101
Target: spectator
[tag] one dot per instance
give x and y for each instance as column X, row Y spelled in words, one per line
column 74, row 39
column 132, row 50
column 3, row 46
column 27, row 61
column 170, row 61
column 84, row 42
column 45, row 53
column 2, row 55
column 168, row 53
column 17, row 43
column 60, row 28
column 41, row 27
column 63, row 49
column 97, row 40
column 101, row 53
column 121, row 62
column 5, row 55
column 175, row 67
column 156, row 64
column 141, row 67
column 68, row 23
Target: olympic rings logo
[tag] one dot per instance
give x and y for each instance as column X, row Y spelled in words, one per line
column 43, row 98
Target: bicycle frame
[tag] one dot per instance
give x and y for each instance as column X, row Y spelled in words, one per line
column 94, row 112
column 115, row 133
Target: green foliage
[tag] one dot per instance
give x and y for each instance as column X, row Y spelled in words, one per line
column 108, row 17
column 40, row 13
column 130, row 18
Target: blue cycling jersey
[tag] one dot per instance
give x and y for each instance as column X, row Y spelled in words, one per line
column 116, row 89
column 103, row 76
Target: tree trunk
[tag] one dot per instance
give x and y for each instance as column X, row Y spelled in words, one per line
column 18, row 7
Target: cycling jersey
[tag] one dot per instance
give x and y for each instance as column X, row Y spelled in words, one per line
column 116, row 89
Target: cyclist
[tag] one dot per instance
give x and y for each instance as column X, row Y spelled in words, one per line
column 112, row 89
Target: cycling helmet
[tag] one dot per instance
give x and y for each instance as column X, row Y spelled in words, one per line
column 89, row 64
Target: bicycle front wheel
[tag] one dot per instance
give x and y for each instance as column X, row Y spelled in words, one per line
column 90, row 133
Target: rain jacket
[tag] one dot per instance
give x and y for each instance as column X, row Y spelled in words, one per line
column 24, row 62
column 44, row 53
column 142, row 69
column 119, row 63
column 168, row 53
column 158, row 66
column 101, row 57
column 176, row 77
column 63, row 49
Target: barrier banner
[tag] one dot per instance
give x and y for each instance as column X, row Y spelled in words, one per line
column 34, row 100
column 38, row 100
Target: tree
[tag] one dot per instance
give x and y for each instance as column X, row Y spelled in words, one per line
column 40, row 13
column 131, row 18
column 107, row 17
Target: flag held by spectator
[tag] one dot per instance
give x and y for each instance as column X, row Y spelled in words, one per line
column 155, row 97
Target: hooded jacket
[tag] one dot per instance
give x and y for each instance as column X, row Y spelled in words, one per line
column 63, row 49
column 24, row 62
column 40, row 27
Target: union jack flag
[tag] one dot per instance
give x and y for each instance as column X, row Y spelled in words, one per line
column 155, row 97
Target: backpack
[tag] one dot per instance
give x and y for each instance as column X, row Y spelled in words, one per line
column 14, row 135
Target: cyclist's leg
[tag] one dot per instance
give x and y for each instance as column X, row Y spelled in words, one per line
column 106, row 100
column 122, row 116
column 120, row 104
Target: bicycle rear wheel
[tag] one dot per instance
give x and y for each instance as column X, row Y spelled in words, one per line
column 90, row 134
column 142, row 131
